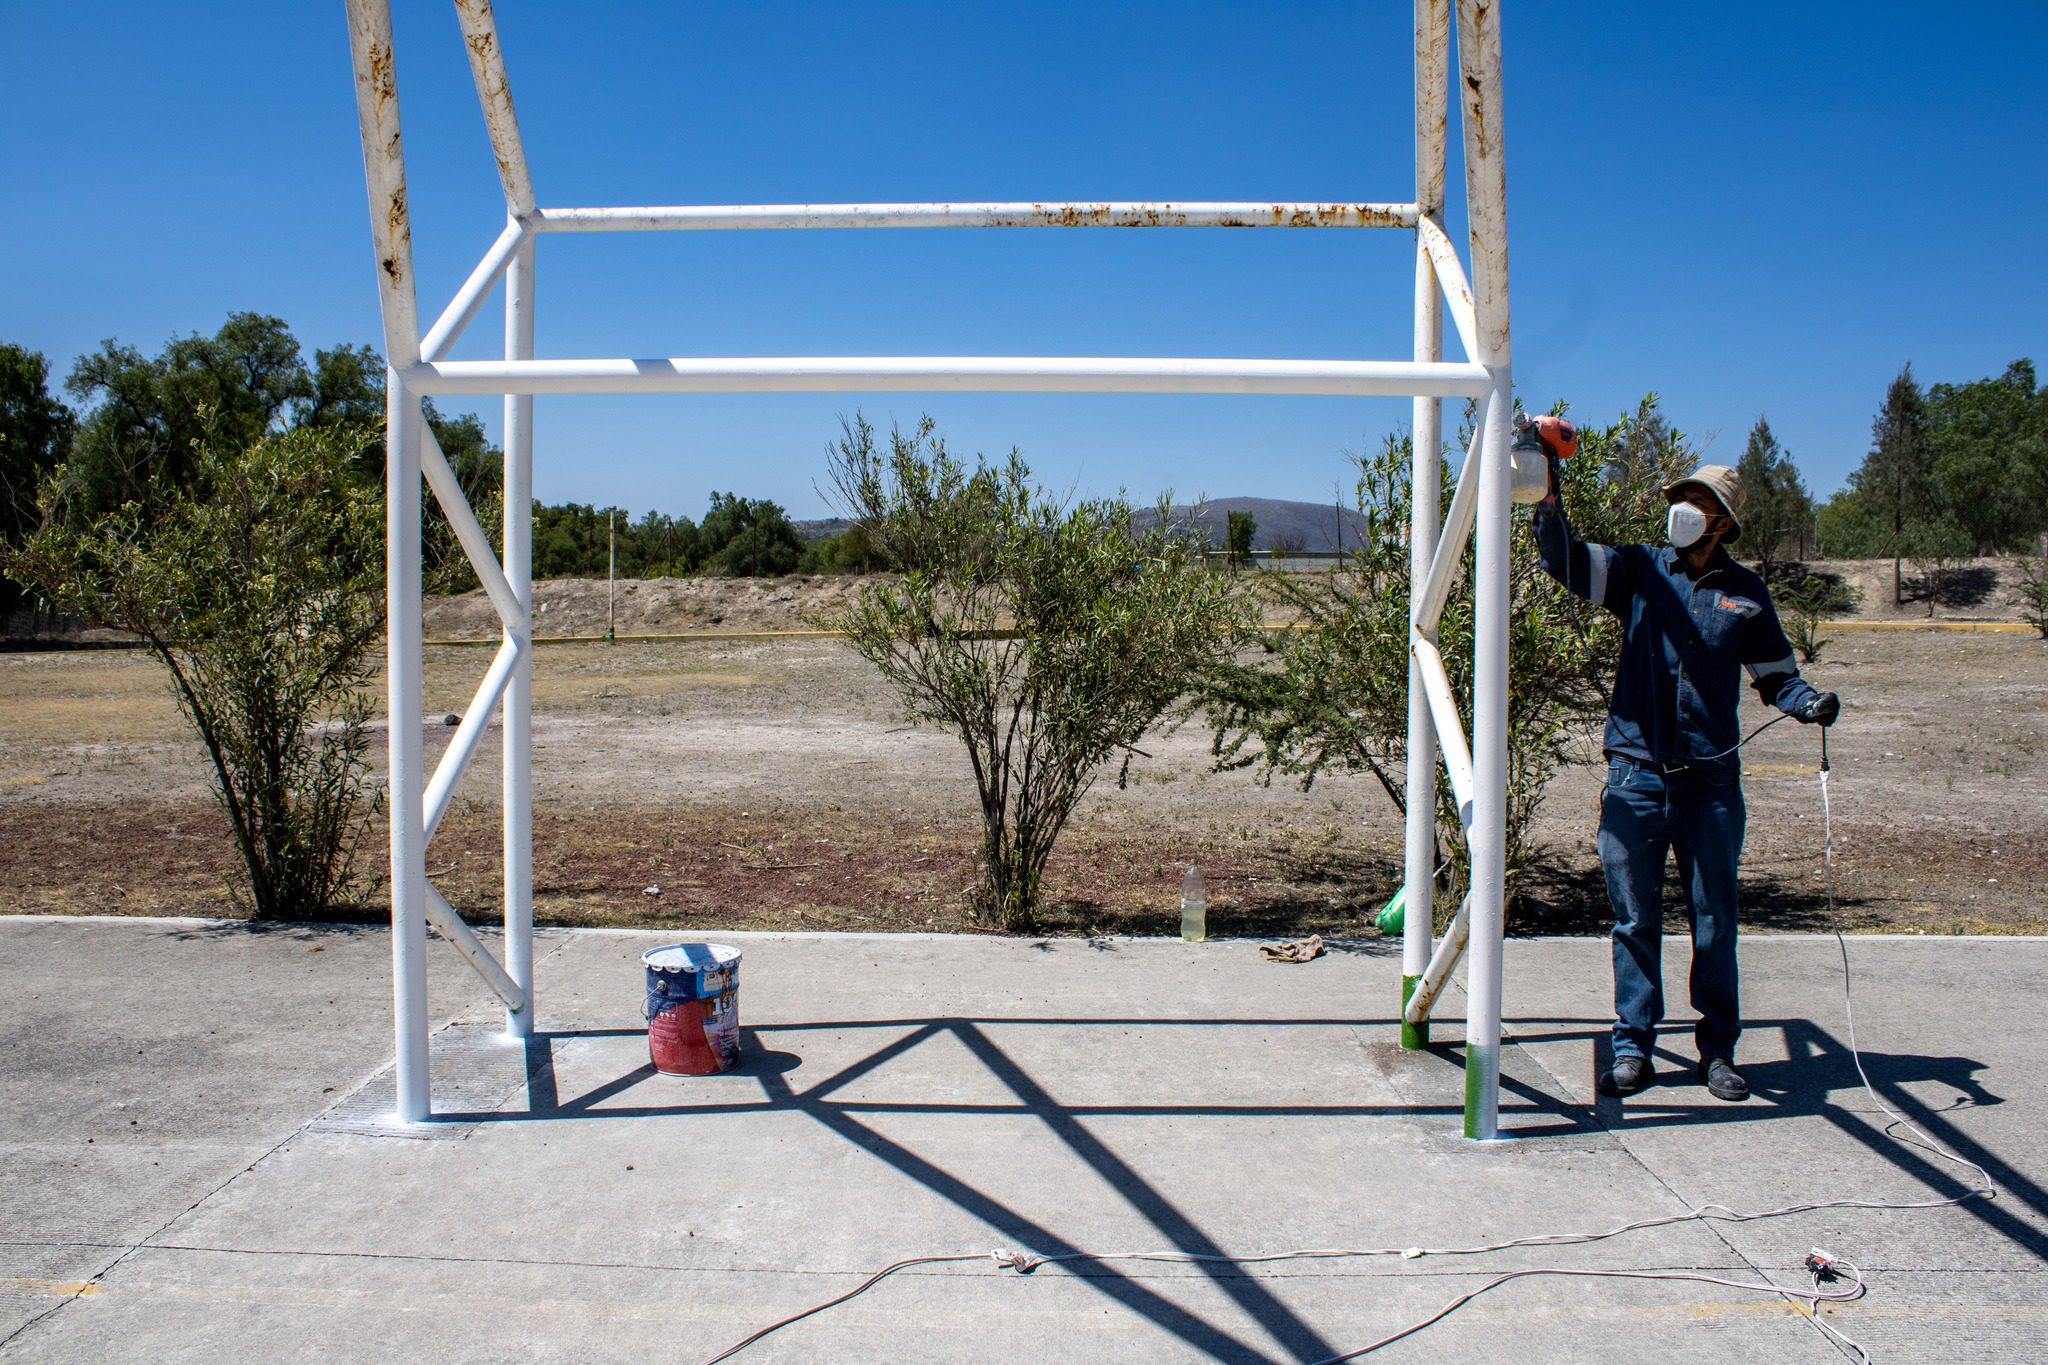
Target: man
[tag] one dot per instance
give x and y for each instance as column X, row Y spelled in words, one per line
column 1692, row 621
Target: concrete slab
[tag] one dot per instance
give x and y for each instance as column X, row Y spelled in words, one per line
column 908, row 1096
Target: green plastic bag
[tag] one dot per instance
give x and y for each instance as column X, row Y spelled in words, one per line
column 1388, row 921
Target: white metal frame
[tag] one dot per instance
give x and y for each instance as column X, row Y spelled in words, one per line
column 419, row 368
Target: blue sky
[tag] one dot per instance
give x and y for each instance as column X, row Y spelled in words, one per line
column 1751, row 209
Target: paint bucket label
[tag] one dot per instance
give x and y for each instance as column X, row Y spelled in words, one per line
column 693, row 1008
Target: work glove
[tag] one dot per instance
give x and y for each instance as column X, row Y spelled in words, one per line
column 1821, row 709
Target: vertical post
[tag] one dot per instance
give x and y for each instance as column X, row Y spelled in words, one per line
column 518, row 703
column 404, row 434
column 1486, row 211
column 1432, row 23
column 611, row 571
column 369, row 36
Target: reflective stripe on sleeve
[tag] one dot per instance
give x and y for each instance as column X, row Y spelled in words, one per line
column 1596, row 584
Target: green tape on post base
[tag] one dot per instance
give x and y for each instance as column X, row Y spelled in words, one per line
column 1413, row 1036
column 1479, row 1082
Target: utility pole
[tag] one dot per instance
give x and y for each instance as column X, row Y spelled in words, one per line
column 611, row 571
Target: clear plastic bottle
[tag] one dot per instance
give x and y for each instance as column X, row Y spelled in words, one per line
column 1194, row 906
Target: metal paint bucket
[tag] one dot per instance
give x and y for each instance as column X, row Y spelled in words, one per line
column 693, row 1008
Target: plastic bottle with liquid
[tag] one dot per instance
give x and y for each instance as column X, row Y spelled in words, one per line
column 1194, row 906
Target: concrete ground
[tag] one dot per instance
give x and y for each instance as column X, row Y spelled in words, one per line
column 197, row 1161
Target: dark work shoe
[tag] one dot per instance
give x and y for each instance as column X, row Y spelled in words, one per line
column 1629, row 1074
column 1723, row 1081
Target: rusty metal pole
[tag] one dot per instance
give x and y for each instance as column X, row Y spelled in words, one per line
column 494, row 91
column 1432, row 60
column 369, row 32
column 1486, row 213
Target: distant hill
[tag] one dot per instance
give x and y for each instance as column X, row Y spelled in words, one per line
column 817, row 528
column 1281, row 524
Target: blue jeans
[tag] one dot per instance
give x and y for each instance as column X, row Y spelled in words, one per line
column 1698, row 817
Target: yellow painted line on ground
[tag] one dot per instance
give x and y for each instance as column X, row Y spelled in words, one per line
column 65, row 1289
column 1997, row 627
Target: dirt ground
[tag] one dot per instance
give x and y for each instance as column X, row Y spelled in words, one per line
column 1981, row 590
column 772, row 783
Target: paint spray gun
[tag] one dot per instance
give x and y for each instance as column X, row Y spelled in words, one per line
column 1540, row 446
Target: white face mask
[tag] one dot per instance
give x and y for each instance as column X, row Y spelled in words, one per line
column 1685, row 525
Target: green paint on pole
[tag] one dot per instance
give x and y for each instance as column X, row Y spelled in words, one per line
column 1476, row 1082
column 1413, row 1036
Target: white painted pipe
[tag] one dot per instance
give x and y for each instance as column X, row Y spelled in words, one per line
column 369, row 40
column 1486, row 211
column 405, row 432
column 1450, row 277
column 1443, row 711
column 1425, row 491
column 451, row 927
column 469, row 300
column 518, row 703
column 1488, row 834
column 1095, row 213
column 953, row 374
column 476, row 546
column 1432, row 102
column 494, row 90
column 462, row 748
column 1432, row 75
column 1434, row 976
column 1449, row 551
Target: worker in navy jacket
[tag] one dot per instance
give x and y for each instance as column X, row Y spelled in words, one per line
column 1693, row 621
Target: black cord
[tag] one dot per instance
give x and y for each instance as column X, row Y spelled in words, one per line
column 1713, row 758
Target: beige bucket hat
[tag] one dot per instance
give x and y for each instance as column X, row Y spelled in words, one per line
column 1724, row 483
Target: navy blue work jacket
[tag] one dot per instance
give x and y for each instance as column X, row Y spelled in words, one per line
column 1685, row 643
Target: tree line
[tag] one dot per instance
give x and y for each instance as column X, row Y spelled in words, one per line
column 135, row 425
column 1953, row 471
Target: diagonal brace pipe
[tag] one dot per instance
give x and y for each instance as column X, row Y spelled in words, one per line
column 475, row 544
column 1450, row 546
column 1450, row 731
column 1448, row 952
column 442, row 916
column 1450, row 275
column 462, row 748
column 468, row 300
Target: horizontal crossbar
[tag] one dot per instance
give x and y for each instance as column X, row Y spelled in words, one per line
column 1097, row 213
column 961, row 374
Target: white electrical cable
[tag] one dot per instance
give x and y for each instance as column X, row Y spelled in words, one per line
column 1816, row 1296
column 1024, row 1263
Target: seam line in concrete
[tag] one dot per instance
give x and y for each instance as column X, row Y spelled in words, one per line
column 1621, row 1139
column 93, row 1281
column 1064, row 1270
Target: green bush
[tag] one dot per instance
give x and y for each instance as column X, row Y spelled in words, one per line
column 1333, row 695
column 257, row 581
column 1048, row 638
